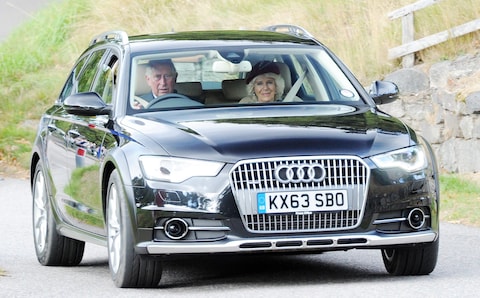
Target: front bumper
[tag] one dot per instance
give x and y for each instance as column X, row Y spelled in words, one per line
column 272, row 244
column 379, row 214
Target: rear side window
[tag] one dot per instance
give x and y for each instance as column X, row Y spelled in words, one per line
column 70, row 86
column 88, row 73
column 81, row 78
column 106, row 79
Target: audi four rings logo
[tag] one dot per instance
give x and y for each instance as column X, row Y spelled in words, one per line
column 296, row 173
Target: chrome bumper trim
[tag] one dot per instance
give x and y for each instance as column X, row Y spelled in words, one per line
column 211, row 229
column 285, row 244
column 389, row 220
column 392, row 220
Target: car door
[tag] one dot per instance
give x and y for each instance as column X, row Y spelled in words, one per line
column 60, row 139
column 84, row 204
column 78, row 198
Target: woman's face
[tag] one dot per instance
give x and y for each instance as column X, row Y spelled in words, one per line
column 264, row 88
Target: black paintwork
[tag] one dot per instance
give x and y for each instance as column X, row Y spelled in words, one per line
column 88, row 147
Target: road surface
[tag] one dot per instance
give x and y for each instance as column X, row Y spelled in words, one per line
column 14, row 12
column 358, row 273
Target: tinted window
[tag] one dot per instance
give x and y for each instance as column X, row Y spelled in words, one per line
column 105, row 82
column 88, row 73
column 70, row 86
column 304, row 75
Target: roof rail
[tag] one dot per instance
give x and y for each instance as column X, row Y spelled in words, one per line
column 120, row 36
column 290, row 29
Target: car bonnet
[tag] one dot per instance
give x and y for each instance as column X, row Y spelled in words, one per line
column 241, row 133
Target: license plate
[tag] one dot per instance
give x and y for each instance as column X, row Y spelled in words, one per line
column 305, row 201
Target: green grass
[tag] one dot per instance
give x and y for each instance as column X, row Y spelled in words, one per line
column 34, row 62
column 460, row 198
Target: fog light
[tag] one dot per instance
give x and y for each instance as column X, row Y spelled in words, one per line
column 416, row 218
column 176, row 228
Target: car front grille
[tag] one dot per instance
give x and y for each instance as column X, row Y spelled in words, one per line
column 251, row 177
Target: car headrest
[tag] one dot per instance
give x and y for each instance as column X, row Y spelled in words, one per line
column 190, row 89
column 286, row 75
column 141, row 86
column 234, row 90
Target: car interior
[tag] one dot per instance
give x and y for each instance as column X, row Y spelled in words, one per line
column 212, row 78
column 230, row 91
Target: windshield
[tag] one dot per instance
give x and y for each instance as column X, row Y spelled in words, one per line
column 237, row 76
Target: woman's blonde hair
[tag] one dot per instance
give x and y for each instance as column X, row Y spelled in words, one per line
column 279, row 85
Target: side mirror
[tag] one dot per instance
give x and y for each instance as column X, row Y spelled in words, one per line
column 384, row 92
column 86, row 104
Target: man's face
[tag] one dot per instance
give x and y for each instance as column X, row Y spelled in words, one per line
column 161, row 80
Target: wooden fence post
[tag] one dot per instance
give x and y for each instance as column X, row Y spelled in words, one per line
column 408, row 35
column 408, row 28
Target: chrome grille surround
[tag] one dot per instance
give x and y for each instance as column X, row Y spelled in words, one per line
column 249, row 177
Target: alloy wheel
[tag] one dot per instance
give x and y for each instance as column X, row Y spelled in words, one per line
column 40, row 214
column 113, row 226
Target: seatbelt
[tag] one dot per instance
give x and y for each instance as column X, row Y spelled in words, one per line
column 293, row 91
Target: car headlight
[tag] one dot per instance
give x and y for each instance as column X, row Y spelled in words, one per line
column 176, row 170
column 410, row 159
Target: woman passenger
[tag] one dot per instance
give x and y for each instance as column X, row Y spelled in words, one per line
column 264, row 83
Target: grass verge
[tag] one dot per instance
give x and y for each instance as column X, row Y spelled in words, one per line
column 460, row 198
column 34, row 62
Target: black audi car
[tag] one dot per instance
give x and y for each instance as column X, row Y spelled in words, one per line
column 198, row 169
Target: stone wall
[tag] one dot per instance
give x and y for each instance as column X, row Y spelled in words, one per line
column 442, row 103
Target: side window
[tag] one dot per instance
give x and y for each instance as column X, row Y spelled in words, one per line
column 106, row 79
column 88, row 74
column 70, row 85
column 68, row 88
column 81, row 77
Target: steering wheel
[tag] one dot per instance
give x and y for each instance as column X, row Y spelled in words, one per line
column 169, row 96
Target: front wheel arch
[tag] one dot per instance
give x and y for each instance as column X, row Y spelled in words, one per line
column 108, row 168
column 127, row 267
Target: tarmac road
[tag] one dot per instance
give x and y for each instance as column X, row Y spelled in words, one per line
column 358, row 273
column 14, row 12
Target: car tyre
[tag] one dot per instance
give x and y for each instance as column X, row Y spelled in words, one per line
column 52, row 249
column 128, row 269
column 418, row 260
